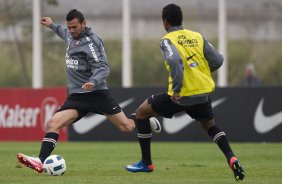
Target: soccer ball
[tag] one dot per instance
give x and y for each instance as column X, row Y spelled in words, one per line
column 54, row 165
column 155, row 125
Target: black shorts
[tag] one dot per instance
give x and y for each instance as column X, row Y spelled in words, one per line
column 164, row 106
column 99, row 101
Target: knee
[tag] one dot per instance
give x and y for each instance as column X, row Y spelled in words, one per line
column 207, row 124
column 140, row 114
column 125, row 130
column 127, row 127
column 51, row 126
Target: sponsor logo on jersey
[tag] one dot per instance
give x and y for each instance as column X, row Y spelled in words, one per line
column 168, row 48
column 93, row 52
column 193, row 64
column 76, row 43
column 188, row 58
column 187, row 42
column 71, row 63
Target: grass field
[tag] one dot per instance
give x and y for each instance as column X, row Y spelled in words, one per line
column 176, row 163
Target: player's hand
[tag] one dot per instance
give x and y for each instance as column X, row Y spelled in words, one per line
column 176, row 97
column 46, row 21
column 88, row 86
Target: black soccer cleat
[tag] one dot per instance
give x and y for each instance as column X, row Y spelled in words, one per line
column 237, row 169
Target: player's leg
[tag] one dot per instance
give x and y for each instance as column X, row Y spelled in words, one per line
column 144, row 131
column 59, row 120
column 144, row 134
column 121, row 122
column 154, row 106
column 106, row 104
column 125, row 124
column 219, row 137
column 103, row 102
column 204, row 114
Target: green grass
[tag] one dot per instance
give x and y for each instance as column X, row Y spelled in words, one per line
column 176, row 163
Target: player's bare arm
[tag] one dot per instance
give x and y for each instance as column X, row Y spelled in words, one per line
column 46, row 21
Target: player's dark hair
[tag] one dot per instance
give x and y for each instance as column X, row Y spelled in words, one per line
column 75, row 14
column 172, row 14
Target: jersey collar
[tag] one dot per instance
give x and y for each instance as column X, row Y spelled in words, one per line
column 175, row 28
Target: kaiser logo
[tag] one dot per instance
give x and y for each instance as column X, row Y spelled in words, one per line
column 17, row 116
column 48, row 107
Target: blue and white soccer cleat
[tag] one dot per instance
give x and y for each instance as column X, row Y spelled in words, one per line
column 155, row 125
column 140, row 167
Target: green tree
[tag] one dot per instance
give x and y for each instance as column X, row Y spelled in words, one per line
column 16, row 16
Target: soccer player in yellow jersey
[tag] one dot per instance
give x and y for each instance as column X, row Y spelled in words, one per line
column 189, row 59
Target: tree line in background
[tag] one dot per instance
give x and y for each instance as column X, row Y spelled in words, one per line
column 13, row 13
column 148, row 68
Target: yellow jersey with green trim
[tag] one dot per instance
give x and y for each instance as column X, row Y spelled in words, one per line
column 196, row 72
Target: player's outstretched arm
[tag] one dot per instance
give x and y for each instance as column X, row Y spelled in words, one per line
column 58, row 29
column 46, row 21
